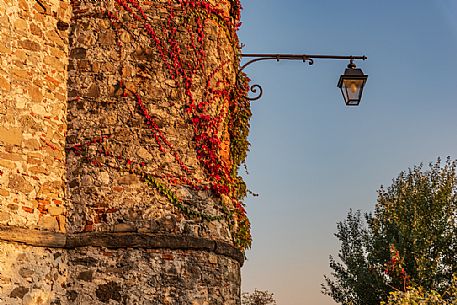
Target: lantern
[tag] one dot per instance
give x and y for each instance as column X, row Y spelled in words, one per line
column 351, row 84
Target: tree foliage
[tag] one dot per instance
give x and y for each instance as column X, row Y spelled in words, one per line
column 419, row 296
column 258, row 297
column 355, row 279
column 410, row 240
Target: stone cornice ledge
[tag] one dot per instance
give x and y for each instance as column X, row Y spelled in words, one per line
column 117, row 240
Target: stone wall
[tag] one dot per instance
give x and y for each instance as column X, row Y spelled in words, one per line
column 33, row 94
column 107, row 191
column 152, row 277
column 94, row 275
column 32, row 275
column 105, row 197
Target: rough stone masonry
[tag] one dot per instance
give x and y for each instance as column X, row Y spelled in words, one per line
column 79, row 222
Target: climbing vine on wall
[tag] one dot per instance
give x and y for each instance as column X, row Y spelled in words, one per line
column 218, row 116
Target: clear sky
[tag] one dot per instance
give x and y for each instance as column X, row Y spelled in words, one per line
column 311, row 158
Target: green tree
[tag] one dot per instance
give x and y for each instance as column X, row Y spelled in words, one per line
column 409, row 240
column 355, row 278
column 419, row 296
column 258, row 297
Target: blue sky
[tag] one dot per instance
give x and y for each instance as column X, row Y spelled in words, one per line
column 311, row 158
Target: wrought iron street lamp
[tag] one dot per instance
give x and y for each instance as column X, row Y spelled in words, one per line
column 351, row 82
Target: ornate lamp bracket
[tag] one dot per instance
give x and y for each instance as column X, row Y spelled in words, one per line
column 303, row 57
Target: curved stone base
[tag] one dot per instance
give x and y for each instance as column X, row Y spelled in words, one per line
column 129, row 268
column 154, row 276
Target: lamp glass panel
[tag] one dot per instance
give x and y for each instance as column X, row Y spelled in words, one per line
column 352, row 89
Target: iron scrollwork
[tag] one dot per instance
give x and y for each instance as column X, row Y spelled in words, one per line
column 253, row 89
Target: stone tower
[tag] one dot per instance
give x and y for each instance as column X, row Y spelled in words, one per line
column 122, row 126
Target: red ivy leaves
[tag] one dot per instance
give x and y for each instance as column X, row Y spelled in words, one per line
column 208, row 123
